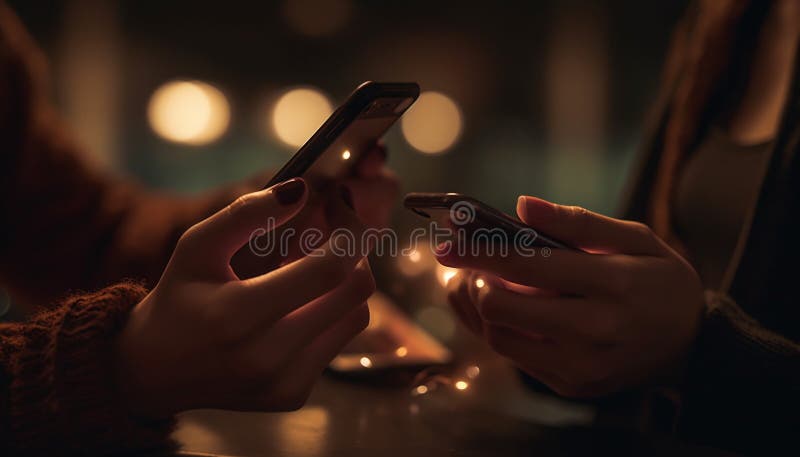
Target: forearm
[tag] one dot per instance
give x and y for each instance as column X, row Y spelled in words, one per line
column 57, row 375
column 76, row 230
column 66, row 226
column 743, row 383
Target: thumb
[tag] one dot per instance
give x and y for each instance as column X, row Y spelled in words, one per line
column 582, row 228
column 218, row 237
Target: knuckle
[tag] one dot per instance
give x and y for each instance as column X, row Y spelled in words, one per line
column 188, row 237
column 578, row 213
column 241, row 202
column 643, row 230
column 578, row 216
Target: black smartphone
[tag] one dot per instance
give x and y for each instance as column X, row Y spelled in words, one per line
column 350, row 131
column 460, row 211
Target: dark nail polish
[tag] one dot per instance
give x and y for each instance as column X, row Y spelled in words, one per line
column 290, row 191
column 347, row 196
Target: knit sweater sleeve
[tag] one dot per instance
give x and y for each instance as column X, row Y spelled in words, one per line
column 742, row 389
column 57, row 380
column 66, row 224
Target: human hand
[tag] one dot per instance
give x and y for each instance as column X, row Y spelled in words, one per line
column 205, row 338
column 372, row 190
column 375, row 188
column 585, row 324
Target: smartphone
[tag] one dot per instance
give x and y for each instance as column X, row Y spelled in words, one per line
column 349, row 132
column 457, row 210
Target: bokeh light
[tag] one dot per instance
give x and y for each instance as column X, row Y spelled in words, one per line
column 444, row 274
column 317, row 18
column 189, row 112
column 413, row 262
column 298, row 113
column 365, row 362
column 473, row 371
column 461, row 385
column 433, row 124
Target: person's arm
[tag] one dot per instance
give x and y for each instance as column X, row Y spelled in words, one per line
column 65, row 225
column 630, row 316
column 80, row 378
column 57, row 391
column 68, row 227
column 742, row 386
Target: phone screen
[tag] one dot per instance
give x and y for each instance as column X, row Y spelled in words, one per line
column 356, row 139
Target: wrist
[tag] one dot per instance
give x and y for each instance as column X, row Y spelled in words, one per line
column 132, row 376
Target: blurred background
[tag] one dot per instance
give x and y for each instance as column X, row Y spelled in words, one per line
column 540, row 97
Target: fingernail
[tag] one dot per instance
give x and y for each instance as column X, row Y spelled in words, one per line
column 347, row 196
column 529, row 208
column 289, row 192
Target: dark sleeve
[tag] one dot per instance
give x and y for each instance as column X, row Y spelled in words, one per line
column 57, row 390
column 65, row 225
column 742, row 388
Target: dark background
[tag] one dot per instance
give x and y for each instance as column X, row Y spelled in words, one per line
column 494, row 59
column 552, row 93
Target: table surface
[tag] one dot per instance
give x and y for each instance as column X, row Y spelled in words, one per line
column 495, row 415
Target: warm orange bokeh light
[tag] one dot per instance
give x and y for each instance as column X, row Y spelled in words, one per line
column 433, row 124
column 298, row 113
column 188, row 112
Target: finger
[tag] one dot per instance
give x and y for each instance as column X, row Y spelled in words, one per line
column 214, row 240
column 301, row 326
column 563, row 270
column 541, row 359
column 582, row 228
column 371, row 163
column 374, row 197
column 460, row 300
column 300, row 376
column 286, row 243
column 279, row 292
column 562, row 318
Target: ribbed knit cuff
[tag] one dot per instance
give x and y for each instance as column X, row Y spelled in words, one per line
column 741, row 383
column 63, row 396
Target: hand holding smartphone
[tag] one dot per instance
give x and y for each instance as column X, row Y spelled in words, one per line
column 470, row 214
